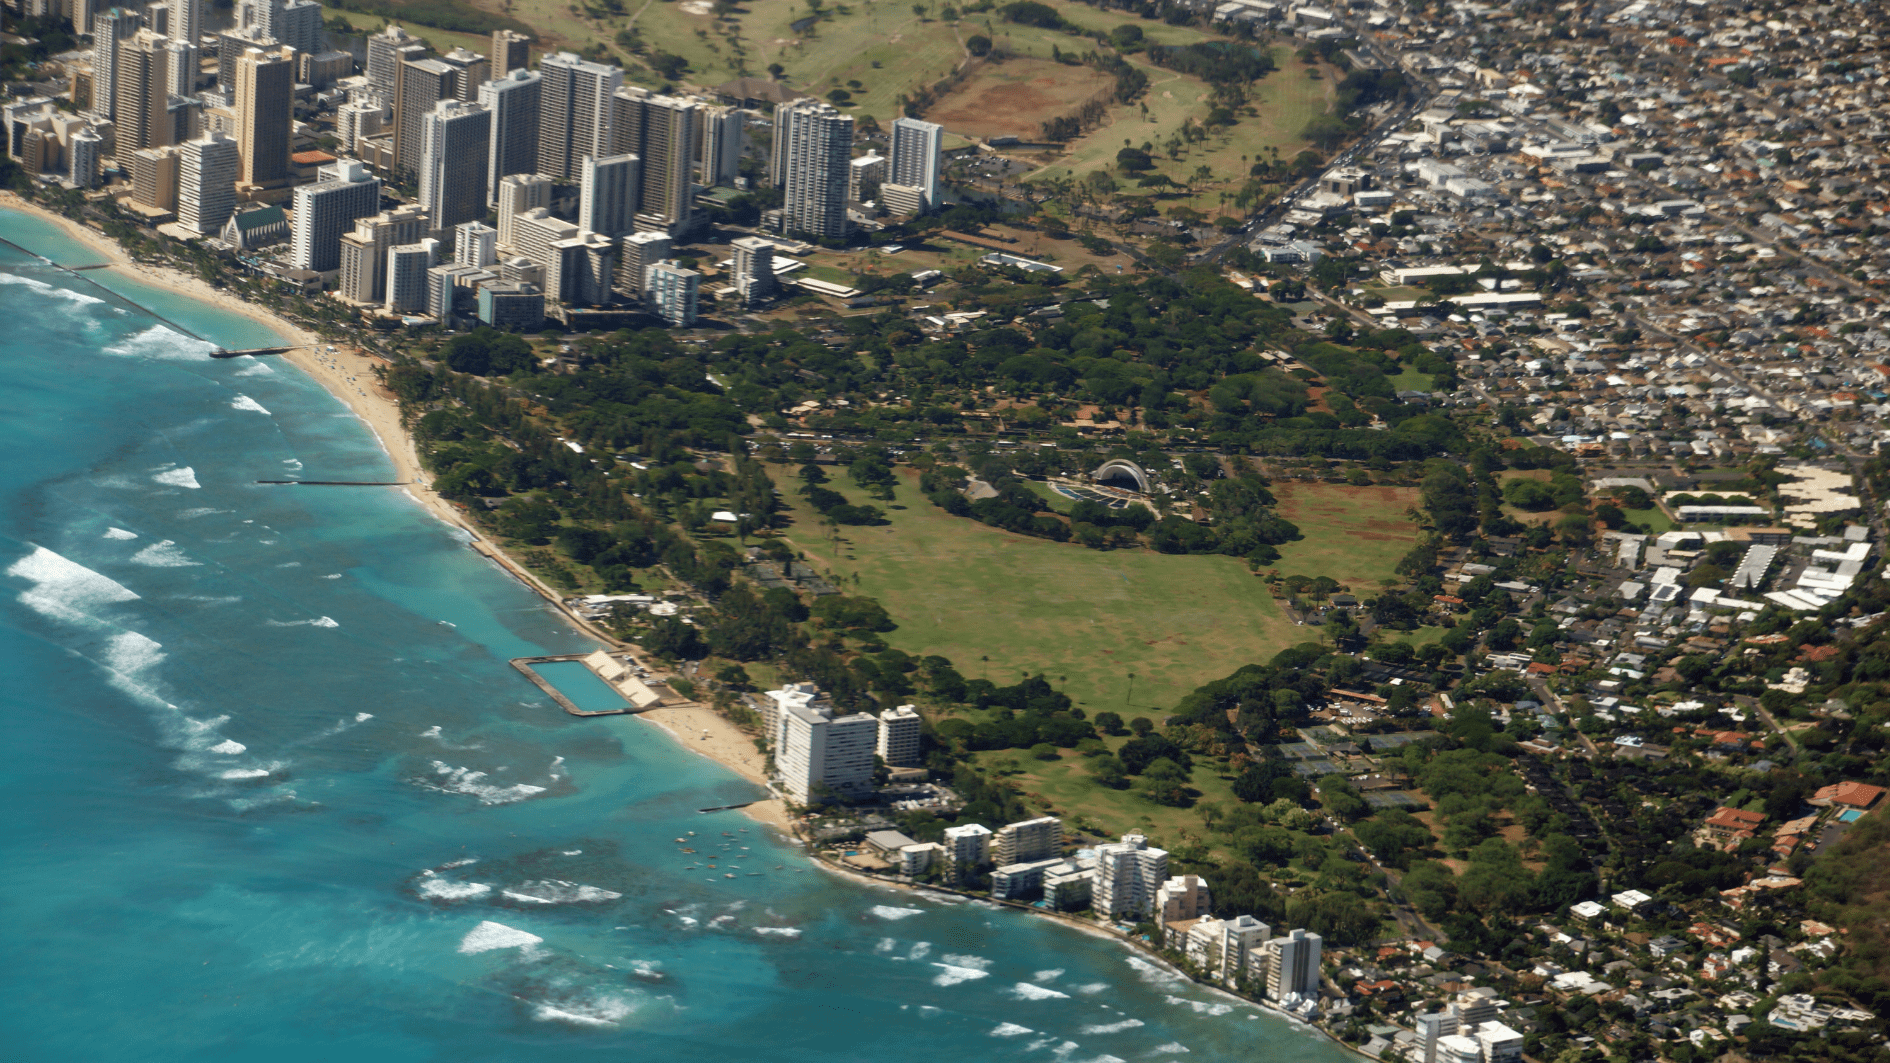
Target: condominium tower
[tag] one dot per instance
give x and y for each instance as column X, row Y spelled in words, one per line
column 575, row 111
column 513, row 99
column 812, row 144
column 453, row 162
column 265, row 93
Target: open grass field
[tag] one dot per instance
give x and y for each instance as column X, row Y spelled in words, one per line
column 1002, row 606
column 936, row 252
column 1067, row 786
column 1356, row 535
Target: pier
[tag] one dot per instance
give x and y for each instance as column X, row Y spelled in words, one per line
column 339, row 483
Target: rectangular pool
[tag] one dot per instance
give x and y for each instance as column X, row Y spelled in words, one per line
column 581, row 685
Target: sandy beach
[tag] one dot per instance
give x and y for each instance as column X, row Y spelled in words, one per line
column 348, row 373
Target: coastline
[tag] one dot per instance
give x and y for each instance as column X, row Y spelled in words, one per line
column 348, row 373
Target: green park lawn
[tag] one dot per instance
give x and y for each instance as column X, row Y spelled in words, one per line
column 1002, row 606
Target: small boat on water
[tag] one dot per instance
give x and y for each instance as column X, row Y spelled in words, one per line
column 728, row 876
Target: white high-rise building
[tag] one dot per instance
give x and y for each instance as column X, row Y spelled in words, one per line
column 607, row 195
column 362, row 116
column 1182, row 898
column 519, row 193
column 326, row 210
column 635, row 255
column 967, row 847
column 297, row 23
column 1499, row 1043
column 385, row 50
column 109, row 29
column 83, row 152
column 821, row 754
column 724, row 136
column 1028, row 841
column 751, row 270
column 914, row 159
column 575, row 112
column 363, row 278
column 812, row 145
column 581, row 269
column 453, row 162
column 206, row 182
column 535, row 231
column 1128, row 873
column 672, row 292
column 1293, row 965
column 476, row 244
column 1432, row 1028
column 407, row 266
column 513, row 100
column 1228, row 948
column 898, row 728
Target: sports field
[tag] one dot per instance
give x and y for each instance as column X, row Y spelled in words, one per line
column 1002, row 606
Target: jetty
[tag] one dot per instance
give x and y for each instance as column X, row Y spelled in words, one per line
column 225, row 352
column 339, row 483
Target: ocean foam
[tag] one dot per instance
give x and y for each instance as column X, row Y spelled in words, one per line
column 245, row 773
column 50, row 291
column 244, row 402
column 920, row 951
column 119, row 533
column 1150, row 973
column 320, row 621
column 887, row 945
column 63, row 589
column 1112, row 1027
column 1050, row 975
column 976, row 963
column 258, row 369
column 779, row 931
column 180, row 477
column 467, row 781
column 1092, row 988
column 164, row 554
column 490, row 935
column 1201, row 1007
column 228, row 747
column 952, row 974
column 1172, row 1048
column 200, row 511
column 601, row 1010
column 888, row 912
column 1033, row 991
column 554, row 891
column 440, row 889
column 163, row 344
column 1010, row 1029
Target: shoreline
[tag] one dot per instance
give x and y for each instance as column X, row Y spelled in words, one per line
column 347, row 373
column 1081, row 926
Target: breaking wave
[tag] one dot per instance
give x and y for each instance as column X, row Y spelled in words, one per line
column 119, row 533
column 64, row 589
column 244, row 402
column 1010, row 1029
column 888, row 912
column 163, row 344
column 1033, row 991
column 467, row 781
column 179, row 477
column 490, row 935
column 553, row 891
column 164, row 554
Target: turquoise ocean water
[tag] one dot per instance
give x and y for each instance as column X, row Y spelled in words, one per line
column 273, row 792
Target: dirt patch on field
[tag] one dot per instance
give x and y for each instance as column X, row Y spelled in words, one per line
column 1015, row 97
column 1373, row 513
